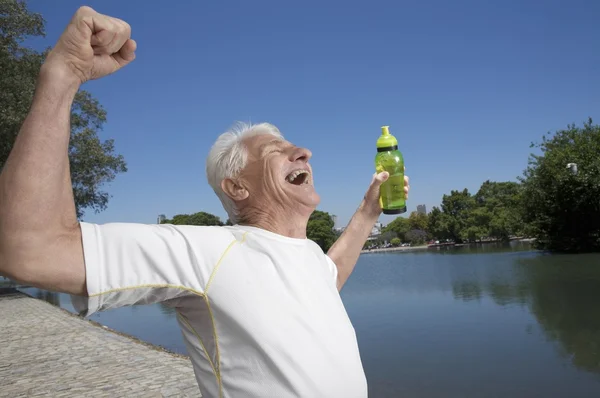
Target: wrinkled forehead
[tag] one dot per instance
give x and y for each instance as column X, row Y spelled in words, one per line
column 259, row 145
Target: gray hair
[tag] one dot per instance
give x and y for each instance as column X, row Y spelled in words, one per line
column 228, row 157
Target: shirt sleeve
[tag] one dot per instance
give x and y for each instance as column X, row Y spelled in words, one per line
column 129, row 264
column 332, row 269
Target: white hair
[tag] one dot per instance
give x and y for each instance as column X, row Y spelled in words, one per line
column 229, row 155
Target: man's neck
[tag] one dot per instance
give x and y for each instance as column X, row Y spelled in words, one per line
column 290, row 225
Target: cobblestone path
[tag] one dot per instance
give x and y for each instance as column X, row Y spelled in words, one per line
column 47, row 352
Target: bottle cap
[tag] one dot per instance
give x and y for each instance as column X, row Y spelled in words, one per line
column 386, row 140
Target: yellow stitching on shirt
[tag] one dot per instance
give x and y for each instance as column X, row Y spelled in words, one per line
column 212, row 275
column 217, row 350
column 210, row 313
column 216, row 368
column 212, row 365
column 158, row 285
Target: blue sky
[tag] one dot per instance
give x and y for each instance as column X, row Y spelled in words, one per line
column 464, row 85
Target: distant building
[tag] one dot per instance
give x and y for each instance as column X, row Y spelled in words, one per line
column 334, row 218
column 376, row 231
column 160, row 218
column 339, row 229
column 422, row 209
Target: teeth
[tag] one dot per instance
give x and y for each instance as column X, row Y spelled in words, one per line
column 291, row 177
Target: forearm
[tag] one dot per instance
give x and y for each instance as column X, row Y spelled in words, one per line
column 36, row 197
column 346, row 250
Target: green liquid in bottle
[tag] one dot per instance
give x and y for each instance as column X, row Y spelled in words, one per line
column 390, row 159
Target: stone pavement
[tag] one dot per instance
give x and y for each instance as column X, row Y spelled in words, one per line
column 48, row 352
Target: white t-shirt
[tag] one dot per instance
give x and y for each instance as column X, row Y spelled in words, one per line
column 260, row 313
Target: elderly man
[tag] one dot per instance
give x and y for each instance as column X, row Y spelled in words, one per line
column 258, row 303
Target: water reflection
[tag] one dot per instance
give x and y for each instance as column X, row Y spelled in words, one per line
column 467, row 291
column 564, row 293
column 561, row 291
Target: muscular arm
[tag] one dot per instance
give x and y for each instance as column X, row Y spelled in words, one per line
column 40, row 237
column 347, row 248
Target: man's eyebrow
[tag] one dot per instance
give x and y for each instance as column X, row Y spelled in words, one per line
column 269, row 144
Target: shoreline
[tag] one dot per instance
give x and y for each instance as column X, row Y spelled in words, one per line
column 395, row 249
column 433, row 246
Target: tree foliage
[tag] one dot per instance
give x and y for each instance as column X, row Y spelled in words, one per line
column 561, row 206
column 416, row 236
column 457, row 206
column 418, row 220
column 200, row 218
column 399, row 227
column 320, row 229
column 492, row 213
column 93, row 161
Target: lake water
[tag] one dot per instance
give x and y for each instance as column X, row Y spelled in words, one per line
column 483, row 321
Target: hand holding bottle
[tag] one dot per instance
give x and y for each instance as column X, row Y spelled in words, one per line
column 393, row 193
column 372, row 202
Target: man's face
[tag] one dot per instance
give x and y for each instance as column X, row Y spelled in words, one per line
column 278, row 172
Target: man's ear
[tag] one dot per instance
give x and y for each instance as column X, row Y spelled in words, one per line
column 234, row 190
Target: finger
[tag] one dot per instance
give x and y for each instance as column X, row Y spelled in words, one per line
column 380, row 178
column 101, row 41
column 108, row 34
column 82, row 13
column 127, row 53
column 122, row 37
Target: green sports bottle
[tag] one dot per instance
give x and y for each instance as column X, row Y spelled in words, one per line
column 390, row 159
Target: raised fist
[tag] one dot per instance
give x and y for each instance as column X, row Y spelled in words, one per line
column 92, row 46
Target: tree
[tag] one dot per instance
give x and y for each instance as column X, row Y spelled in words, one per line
column 416, row 236
column 400, row 226
column 437, row 223
column 457, row 207
column 561, row 203
column 497, row 212
column 93, row 162
column 200, row 218
column 320, row 229
column 396, row 242
column 418, row 220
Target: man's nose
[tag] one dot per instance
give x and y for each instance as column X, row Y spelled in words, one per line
column 301, row 154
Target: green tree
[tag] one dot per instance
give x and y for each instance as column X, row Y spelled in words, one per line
column 396, row 242
column 497, row 212
column 320, row 229
column 416, row 236
column 93, row 162
column 419, row 221
column 437, row 223
column 200, row 218
column 561, row 201
column 400, row 226
column 457, row 207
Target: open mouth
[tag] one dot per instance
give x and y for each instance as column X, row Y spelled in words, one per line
column 298, row 177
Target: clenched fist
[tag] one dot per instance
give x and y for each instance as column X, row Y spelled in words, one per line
column 92, row 46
